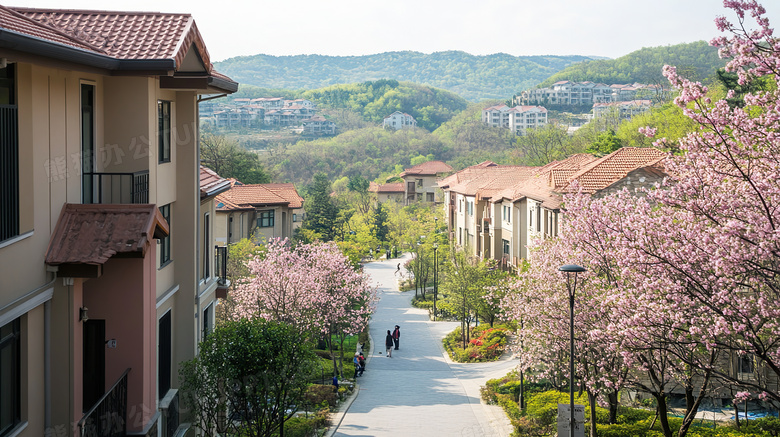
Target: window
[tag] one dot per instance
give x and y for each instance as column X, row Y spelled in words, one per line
column 9, row 151
column 745, row 364
column 87, row 142
column 505, row 244
column 266, row 219
column 506, row 213
column 419, row 183
column 470, row 207
column 206, row 246
column 165, row 243
column 429, row 197
column 164, row 130
column 164, row 355
column 10, row 374
column 531, row 218
column 295, row 217
column 208, row 320
column 538, row 219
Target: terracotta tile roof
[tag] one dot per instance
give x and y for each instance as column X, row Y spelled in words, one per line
column 386, row 188
column 211, row 183
column 91, row 234
column 18, row 23
column 126, row 35
column 605, row 171
column 251, row 196
column 133, row 36
column 484, row 181
column 429, row 168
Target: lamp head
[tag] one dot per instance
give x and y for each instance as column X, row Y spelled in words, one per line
column 572, row 268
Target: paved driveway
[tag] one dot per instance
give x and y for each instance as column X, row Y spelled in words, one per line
column 419, row 391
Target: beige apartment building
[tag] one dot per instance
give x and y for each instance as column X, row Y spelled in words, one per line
column 422, row 181
column 498, row 212
column 103, row 237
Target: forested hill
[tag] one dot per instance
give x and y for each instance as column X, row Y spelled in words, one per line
column 475, row 78
column 696, row 60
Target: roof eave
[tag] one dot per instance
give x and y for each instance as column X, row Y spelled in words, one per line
column 49, row 49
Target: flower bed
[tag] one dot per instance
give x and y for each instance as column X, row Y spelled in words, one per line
column 486, row 344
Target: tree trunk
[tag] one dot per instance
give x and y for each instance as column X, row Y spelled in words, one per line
column 329, row 340
column 692, row 403
column 592, row 402
column 612, row 400
column 663, row 414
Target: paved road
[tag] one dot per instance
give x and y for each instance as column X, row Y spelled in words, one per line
column 419, row 391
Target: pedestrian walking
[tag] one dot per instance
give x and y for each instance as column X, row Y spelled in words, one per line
column 396, row 336
column 389, row 344
column 397, row 269
column 358, row 368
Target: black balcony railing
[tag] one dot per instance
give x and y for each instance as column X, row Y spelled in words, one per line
column 108, row 417
column 169, row 413
column 115, row 187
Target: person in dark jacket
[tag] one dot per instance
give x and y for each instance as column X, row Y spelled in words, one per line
column 389, row 344
column 397, row 336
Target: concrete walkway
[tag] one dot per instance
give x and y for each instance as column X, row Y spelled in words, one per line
column 418, row 391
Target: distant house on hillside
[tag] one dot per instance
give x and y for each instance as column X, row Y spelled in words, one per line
column 496, row 116
column 522, row 118
column 422, row 181
column 318, row 125
column 516, row 119
column 625, row 110
column 385, row 192
column 399, row 120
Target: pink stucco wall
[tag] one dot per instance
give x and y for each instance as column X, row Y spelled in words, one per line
column 125, row 298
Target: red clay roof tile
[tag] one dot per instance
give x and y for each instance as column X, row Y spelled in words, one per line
column 91, row 234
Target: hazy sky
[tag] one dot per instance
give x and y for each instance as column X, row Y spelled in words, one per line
column 609, row 28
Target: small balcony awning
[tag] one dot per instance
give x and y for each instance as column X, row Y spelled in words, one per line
column 88, row 235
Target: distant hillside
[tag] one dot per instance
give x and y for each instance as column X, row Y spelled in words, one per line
column 375, row 100
column 696, row 60
column 474, row 78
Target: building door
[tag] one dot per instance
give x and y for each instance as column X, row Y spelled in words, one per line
column 94, row 384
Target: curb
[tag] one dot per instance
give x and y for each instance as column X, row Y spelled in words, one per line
column 356, row 390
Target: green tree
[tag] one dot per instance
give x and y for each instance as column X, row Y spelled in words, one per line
column 248, row 379
column 606, row 143
column 230, row 160
column 380, row 222
column 321, row 212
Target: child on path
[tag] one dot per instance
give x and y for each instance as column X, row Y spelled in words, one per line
column 397, row 336
column 397, row 269
column 389, row 344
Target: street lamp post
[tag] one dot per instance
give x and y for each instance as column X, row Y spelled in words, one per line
column 435, row 279
column 572, row 288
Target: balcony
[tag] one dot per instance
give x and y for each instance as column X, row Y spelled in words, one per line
column 169, row 413
column 108, row 417
column 106, row 188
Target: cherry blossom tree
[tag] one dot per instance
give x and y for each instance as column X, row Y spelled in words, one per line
column 312, row 287
column 690, row 270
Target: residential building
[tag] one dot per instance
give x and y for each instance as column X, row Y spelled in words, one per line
column 624, row 110
column 496, row 116
column 522, row 118
column 399, row 120
column 259, row 211
column 421, row 181
column 213, row 256
column 100, row 250
column 388, row 192
column 318, row 125
column 499, row 211
column 570, row 93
